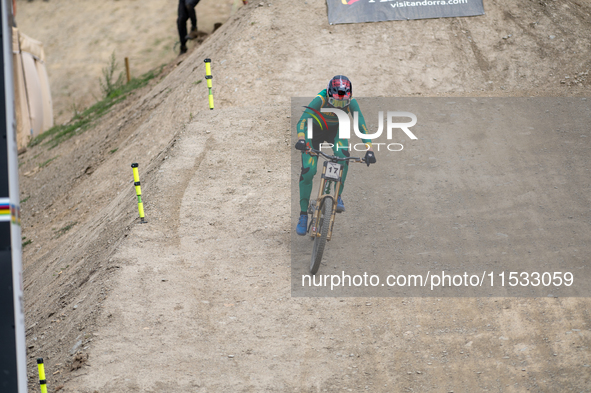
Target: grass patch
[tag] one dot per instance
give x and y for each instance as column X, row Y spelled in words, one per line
column 108, row 83
column 114, row 150
column 87, row 119
column 44, row 164
column 65, row 229
column 26, row 243
column 24, row 200
column 198, row 82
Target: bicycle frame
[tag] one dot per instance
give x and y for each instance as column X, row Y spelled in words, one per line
column 325, row 183
column 322, row 196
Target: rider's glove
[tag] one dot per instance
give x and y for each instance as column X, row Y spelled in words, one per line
column 301, row 145
column 370, row 158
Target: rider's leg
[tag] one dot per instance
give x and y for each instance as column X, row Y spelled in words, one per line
column 309, row 164
column 193, row 17
column 306, row 179
column 181, row 22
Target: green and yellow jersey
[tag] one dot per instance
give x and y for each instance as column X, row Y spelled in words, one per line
column 321, row 101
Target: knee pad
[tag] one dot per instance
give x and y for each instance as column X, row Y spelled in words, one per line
column 307, row 174
column 304, row 171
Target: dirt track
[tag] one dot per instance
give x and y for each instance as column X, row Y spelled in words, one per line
column 497, row 183
column 200, row 296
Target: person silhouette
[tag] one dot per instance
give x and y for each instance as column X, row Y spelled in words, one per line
column 186, row 11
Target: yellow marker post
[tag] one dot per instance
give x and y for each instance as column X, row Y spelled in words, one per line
column 42, row 381
column 138, row 191
column 209, row 77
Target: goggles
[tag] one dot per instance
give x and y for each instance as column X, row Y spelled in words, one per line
column 339, row 103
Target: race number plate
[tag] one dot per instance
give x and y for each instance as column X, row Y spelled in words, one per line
column 332, row 170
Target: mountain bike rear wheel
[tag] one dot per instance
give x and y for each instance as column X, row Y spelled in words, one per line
column 322, row 229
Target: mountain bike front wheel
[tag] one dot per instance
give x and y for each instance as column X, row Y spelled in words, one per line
column 322, row 229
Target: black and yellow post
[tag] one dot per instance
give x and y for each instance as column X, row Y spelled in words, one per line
column 138, row 191
column 209, row 77
column 42, row 381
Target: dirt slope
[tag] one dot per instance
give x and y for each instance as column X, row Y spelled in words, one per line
column 80, row 36
column 199, row 298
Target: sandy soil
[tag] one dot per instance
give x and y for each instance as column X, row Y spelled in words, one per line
column 199, row 297
column 79, row 37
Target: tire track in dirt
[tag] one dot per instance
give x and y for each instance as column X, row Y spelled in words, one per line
column 169, row 200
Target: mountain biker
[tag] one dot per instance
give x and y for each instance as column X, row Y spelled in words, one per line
column 337, row 95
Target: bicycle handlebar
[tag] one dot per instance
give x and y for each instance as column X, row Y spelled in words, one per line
column 335, row 158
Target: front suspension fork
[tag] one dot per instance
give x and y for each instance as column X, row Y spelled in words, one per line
column 323, row 194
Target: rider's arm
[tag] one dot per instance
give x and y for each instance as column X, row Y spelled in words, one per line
column 354, row 107
column 302, row 127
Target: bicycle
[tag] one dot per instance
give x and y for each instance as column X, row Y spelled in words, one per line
column 323, row 212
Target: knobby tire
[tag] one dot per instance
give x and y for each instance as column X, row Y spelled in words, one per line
column 320, row 241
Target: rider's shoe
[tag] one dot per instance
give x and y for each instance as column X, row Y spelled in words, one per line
column 302, row 227
column 340, row 205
